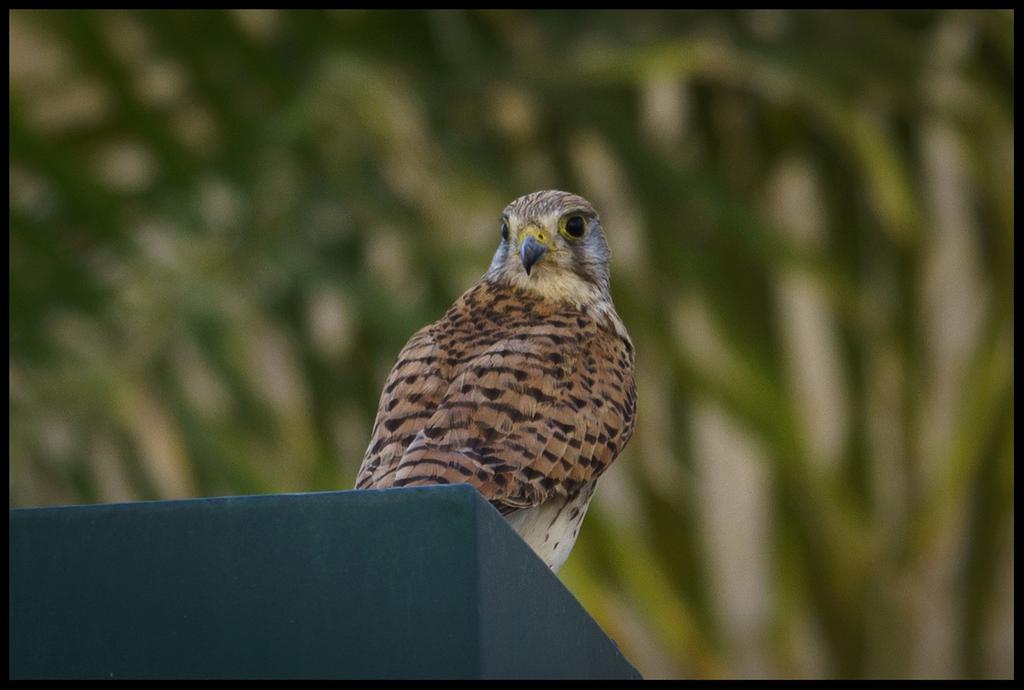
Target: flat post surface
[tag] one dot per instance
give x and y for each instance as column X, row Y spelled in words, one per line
column 424, row 582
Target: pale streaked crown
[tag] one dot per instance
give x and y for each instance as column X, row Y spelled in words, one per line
column 545, row 203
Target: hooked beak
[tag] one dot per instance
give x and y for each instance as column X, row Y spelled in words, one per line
column 531, row 251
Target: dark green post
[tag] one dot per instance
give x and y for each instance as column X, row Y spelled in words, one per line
column 426, row 582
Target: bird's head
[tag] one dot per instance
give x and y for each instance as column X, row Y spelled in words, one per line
column 552, row 244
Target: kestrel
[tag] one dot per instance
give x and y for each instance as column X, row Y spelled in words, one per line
column 525, row 387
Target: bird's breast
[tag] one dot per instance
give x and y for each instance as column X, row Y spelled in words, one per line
column 551, row 528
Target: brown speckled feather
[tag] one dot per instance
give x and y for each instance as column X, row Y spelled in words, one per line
column 525, row 387
column 525, row 398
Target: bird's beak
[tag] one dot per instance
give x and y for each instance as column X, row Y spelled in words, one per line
column 532, row 246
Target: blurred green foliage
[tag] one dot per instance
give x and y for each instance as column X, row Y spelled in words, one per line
column 225, row 225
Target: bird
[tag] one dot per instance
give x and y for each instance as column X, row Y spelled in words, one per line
column 525, row 387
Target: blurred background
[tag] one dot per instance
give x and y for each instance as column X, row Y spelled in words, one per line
column 225, row 225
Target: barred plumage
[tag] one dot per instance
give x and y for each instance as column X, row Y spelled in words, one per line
column 524, row 388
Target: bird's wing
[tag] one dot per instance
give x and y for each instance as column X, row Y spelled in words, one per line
column 413, row 390
column 530, row 417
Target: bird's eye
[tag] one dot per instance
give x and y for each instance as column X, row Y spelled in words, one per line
column 504, row 231
column 574, row 227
